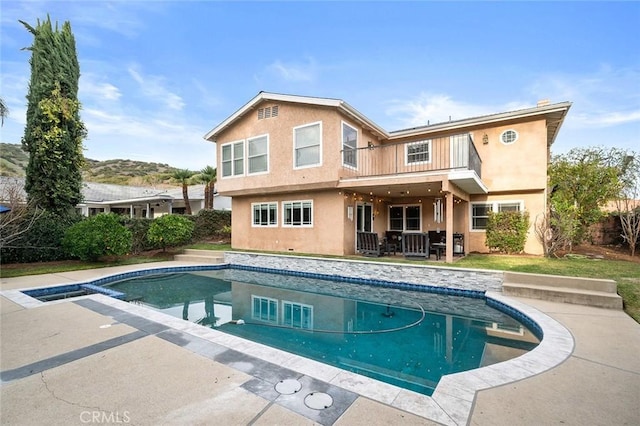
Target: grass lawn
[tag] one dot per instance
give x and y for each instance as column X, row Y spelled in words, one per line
column 625, row 273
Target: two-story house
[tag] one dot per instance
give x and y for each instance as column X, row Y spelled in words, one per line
column 305, row 174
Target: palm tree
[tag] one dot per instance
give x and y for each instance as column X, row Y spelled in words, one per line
column 183, row 176
column 208, row 176
column 4, row 111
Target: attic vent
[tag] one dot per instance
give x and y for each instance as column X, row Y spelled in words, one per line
column 267, row 112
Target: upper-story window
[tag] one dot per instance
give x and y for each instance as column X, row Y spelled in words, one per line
column 418, row 152
column 349, row 145
column 508, row 137
column 233, row 159
column 258, row 154
column 307, row 145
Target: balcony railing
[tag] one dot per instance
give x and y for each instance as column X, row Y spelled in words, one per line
column 430, row 155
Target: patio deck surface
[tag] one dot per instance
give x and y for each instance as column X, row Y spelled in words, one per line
column 97, row 360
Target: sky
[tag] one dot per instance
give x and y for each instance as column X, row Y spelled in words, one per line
column 157, row 75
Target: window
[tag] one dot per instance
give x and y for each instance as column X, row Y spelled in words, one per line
column 418, row 152
column 264, row 214
column 307, row 143
column 508, row 137
column 480, row 215
column 264, row 309
column 349, row 145
column 258, row 154
column 297, row 315
column 480, row 212
column 405, row 218
column 297, row 213
column 233, row 159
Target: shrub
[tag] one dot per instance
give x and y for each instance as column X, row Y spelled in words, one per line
column 95, row 236
column 42, row 242
column 507, row 231
column 139, row 228
column 170, row 230
column 210, row 223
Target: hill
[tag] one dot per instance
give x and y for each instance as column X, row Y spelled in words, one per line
column 13, row 162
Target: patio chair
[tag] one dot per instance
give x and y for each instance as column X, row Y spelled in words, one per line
column 368, row 244
column 415, row 244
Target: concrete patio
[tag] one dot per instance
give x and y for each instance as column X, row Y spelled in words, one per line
column 98, row 360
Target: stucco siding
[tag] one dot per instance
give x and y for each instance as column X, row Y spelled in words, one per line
column 325, row 236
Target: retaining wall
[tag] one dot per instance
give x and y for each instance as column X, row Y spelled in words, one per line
column 438, row 276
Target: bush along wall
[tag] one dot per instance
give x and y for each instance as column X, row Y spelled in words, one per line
column 507, row 231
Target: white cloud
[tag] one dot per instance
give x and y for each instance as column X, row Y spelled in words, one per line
column 99, row 90
column 295, row 72
column 431, row 108
column 154, row 88
column 604, row 98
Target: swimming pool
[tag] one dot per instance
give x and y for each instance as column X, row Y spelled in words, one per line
column 408, row 337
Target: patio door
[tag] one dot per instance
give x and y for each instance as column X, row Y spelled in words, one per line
column 459, row 151
column 364, row 217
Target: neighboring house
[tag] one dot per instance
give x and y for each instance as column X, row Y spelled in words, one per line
column 305, row 174
column 132, row 201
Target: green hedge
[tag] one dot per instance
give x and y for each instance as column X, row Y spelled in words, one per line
column 211, row 224
column 507, row 231
column 97, row 236
column 42, row 242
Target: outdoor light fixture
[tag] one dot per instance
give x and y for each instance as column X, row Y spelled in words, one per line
column 485, row 139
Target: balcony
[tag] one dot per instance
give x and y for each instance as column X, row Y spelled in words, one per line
column 454, row 156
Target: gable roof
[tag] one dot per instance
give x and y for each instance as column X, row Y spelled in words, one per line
column 307, row 100
column 553, row 113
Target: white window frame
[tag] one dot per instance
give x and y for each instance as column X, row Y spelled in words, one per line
column 234, row 173
column 286, row 304
column 292, row 205
column 345, row 147
column 426, row 142
column 494, row 206
column 511, row 142
column 271, row 318
column 269, row 206
column 404, row 217
column 249, row 157
column 295, row 148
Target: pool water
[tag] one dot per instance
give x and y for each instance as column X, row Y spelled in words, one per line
column 406, row 338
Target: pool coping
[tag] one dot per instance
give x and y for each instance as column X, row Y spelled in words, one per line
column 453, row 399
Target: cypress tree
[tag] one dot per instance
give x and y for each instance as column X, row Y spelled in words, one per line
column 54, row 132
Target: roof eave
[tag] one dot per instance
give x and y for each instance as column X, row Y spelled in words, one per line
column 308, row 100
column 561, row 107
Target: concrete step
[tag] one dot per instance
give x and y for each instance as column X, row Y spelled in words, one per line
column 581, row 291
column 200, row 256
column 599, row 299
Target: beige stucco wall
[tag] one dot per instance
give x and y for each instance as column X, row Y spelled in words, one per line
column 534, row 203
column 519, row 166
column 513, row 172
column 281, row 154
column 324, row 237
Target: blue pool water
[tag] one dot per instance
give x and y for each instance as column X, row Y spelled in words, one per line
column 408, row 338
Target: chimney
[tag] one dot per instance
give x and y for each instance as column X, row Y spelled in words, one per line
column 543, row 102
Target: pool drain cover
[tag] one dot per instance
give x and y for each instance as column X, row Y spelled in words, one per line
column 318, row 400
column 288, row 386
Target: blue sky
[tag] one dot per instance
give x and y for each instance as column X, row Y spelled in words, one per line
column 157, row 75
